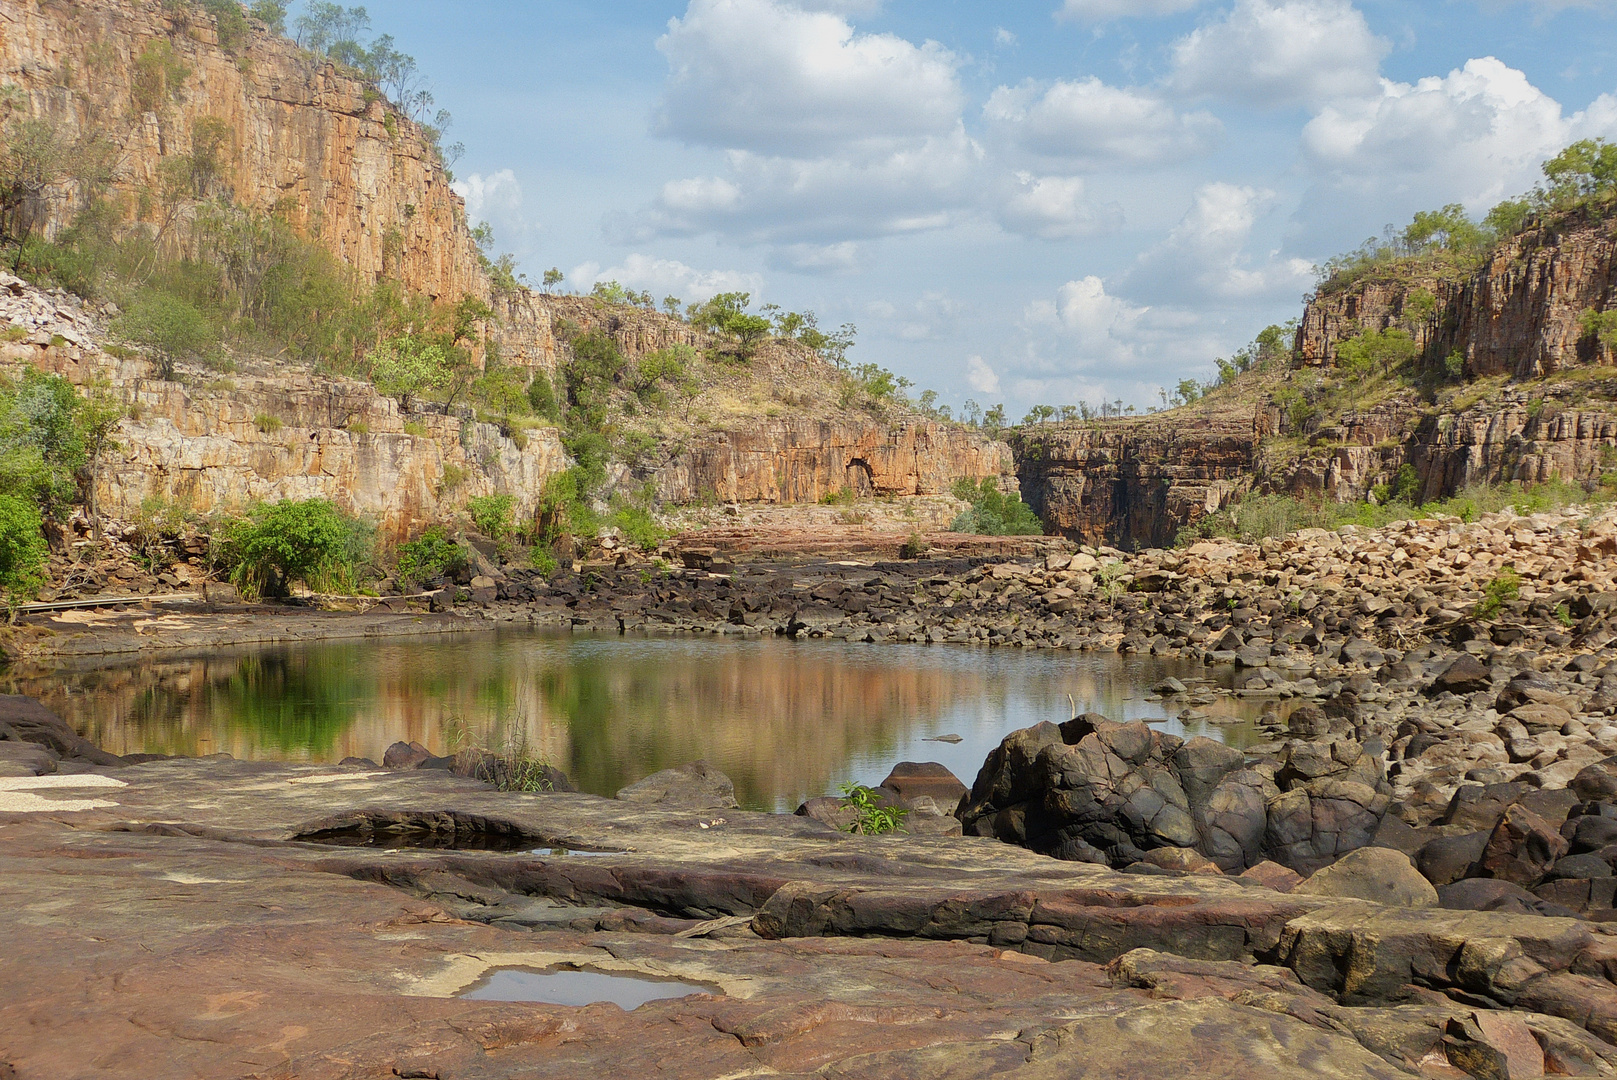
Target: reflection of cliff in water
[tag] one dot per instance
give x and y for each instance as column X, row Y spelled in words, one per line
column 783, row 719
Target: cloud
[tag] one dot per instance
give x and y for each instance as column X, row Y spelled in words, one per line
column 816, row 258
column 1054, row 208
column 1205, row 259
column 1094, row 11
column 1003, row 38
column 826, row 201
column 980, row 376
column 1474, row 136
column 497, row 199
column 1091, row 124
column 663, row 277
column 1269, row 53
column 772, row 78
column 1086, row 313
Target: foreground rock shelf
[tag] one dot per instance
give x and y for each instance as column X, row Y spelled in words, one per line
column 174, row 919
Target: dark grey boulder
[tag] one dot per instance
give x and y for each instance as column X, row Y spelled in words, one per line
column 1449, row 858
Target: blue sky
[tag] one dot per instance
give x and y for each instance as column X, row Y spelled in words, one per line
column 1017, row 201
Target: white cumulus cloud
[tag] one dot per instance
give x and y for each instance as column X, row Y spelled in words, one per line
column 1091, row 124
column 772, row 78
column 664, row 277
column 1205, row 257
column 1474, row 136
column 1055, row 208
column 497, row 199
column 1281, row 52
column 980, row 376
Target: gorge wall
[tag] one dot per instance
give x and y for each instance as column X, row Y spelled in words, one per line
column 306, row 140
column 205, row 442
column 1536, row 405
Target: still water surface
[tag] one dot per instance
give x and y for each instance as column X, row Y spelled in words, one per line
column 785, row 719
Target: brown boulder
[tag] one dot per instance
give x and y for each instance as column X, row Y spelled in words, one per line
column 913, row 778
column 1465, row 675
column 1522, row 848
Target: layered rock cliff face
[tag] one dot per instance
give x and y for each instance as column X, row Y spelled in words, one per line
column 1136, row 482
column 803, row 460
column 305, row 140
column 1517, row 322
column 1518, row 315
column 268, row 432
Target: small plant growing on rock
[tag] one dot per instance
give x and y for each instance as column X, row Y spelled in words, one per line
column 1500, row 591
column 267, row 424
column 1563, row 615
column 913, row 547
column 492, row 515
column 429, row 556
column 874, row 819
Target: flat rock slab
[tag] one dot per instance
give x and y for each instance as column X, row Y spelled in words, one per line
column 193, row 929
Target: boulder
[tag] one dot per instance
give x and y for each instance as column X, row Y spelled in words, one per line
column 1449, row 858
column 1271, row 875
column 915, row 778
column 831, row 811
column 1522, row 848
column 1377, row 874
column 695, row 786
column 405, row 755
column 1465, row 675
column 1493, row 894
column 23, row 719
column 1597, row 782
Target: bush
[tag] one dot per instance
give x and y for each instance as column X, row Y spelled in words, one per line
column 22, row 550
column 491, row 514
column 307, row 540
column 430, row 556
column 638, row 527
column 992, row 512
column 1501, row 590
column 170, row 326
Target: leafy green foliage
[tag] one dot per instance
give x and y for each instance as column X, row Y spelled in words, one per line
column 1504, row 587
column 410, row 366
column 993, row 512
column 1376, row 350
column 272, row 13
column 43, row 439
column 428, row 557
column 160, row 76
column 1600, row 325
column 22, row 549
column 307, row 540
column 1584, row 171
column 874, row 819
column 491, row 514
column 638, row 527
column 231, row 23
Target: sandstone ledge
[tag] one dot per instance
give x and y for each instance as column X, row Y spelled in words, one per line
column 184, row 930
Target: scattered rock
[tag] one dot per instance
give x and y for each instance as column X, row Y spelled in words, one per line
column 695, row 786
column 1380, row 875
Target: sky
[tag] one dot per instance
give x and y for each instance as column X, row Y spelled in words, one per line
column 1018, row 202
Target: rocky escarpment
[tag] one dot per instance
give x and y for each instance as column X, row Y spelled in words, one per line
column 1518, row 315
column 307, row 141
column 1532, row 411
column 1136, row 482
column 268, row 431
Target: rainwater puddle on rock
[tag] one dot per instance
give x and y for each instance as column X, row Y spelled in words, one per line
column 571, row 986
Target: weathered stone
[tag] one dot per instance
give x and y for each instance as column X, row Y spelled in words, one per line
column 1465, row 675
column 1522, row 847
column 695, row 786
column 913, row 778
column 1377, row 874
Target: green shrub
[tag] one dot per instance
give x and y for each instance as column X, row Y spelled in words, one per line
column 1386, row 350
column 267, row 423
column 873, row 819
column 47, row 434
column 170, row 326
column 308, row 540
column 1501, row 590
column 22, row 550
column 992, row 512
column 491, row 514
column 1600, row 326
column 638, row 527
column 542, row 397
column 430, row 556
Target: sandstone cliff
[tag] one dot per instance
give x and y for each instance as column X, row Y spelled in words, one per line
column 1525, row 402
column 269, row 432
column 1135, row 482
column 306, row 140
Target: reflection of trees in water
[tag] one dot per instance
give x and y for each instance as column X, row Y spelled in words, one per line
column 782, row 719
